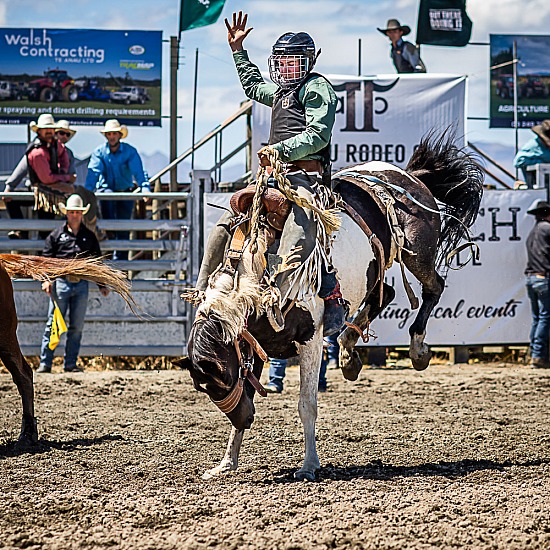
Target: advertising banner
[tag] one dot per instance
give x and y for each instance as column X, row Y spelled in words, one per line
column 383, row 117
column 486, row 301
column 483, row 303
column 84, row 76
column 533, row 80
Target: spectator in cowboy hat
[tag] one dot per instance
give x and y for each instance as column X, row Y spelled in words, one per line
column 48, row 164
column 405, row 56
column 537, row 275
column 112, row 168
column 535, row 151
column 70, row 240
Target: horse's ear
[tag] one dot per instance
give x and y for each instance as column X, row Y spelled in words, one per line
column 183, row 363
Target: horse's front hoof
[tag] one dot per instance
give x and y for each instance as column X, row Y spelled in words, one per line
column 352, row 369
column 304, row 475
column 421, row 362
column 218, row 471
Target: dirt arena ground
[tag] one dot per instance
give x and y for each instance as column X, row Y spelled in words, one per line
column 456, row 456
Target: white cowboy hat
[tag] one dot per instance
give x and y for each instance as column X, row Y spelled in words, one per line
column 45, row 120
column 66, row 126
column 114, row 126
column 74, row 202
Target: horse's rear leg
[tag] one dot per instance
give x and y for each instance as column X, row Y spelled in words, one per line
column 11, row 356
column 22, row 375
column 419, row 352
column 230, row 460
column 349, row 360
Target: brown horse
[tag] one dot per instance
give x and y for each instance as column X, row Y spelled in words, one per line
column 42, row 269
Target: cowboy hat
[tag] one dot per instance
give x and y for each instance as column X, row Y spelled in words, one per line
column 74, row 202
column 66, row 126
column 45, row 120
column 543, row 131
column 539, row 208
column 113, row 125
column 393, row 25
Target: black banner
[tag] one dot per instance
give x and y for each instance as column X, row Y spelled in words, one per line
column 443, row 23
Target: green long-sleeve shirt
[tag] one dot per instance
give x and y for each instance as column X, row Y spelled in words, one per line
column 318, row 98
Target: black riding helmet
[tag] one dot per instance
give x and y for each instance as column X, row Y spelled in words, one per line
column 296, row 50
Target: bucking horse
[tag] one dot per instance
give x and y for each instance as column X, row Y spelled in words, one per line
column 42, row 269
column 254, row 308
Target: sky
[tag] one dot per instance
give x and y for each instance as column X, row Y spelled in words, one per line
column 336, row 26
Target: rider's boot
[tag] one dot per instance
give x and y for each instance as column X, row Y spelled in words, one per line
column 336, row 309
column 214, row 251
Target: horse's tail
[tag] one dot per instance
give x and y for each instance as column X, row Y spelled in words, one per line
column 454, row 178
column 91, row 269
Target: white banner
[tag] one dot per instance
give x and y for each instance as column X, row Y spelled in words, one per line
column 483, row 303
column 383, row 117
column 486, row 301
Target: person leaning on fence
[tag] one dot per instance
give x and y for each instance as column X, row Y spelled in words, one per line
column 111, row 169
column 48, row 166
column 537, row 275
column 73, row 239
column 47, row 162
column 303, row 106
column 63, row 133
column 535, row 151
column 405, row 56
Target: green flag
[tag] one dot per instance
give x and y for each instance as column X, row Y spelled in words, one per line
column 443, row 23
column 199, row 13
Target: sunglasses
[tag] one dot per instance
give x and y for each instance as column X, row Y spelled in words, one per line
column 62, row 133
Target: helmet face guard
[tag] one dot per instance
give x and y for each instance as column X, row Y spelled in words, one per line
column 288, row 71
column 292, row 58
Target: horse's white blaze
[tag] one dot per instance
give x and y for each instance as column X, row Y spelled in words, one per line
column 351, row 254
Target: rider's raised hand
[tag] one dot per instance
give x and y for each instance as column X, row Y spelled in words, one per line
column 237, row 31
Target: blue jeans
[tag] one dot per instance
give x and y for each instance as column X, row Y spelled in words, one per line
column 539, row 295
column 333, row 348
column 74, row 297
column 277, row 371
column 118, row 210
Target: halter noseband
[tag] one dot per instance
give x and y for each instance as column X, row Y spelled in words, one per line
column 246, row 372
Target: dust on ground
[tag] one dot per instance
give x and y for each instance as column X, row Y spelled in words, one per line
column 456, row 456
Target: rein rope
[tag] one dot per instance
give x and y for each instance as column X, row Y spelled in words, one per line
column 328, row 217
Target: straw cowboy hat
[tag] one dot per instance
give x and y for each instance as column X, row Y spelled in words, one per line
column 66, row 126
column 539, row 208
column 74, row 202
column 45, row 120
column 393, row 25
column 543, row 131
column 114, row 126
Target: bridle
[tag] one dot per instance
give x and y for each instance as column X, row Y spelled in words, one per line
column 246, row 372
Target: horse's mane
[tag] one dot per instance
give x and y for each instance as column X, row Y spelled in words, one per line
column 230, row 298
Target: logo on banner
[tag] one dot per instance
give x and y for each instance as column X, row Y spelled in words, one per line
column 446, row 20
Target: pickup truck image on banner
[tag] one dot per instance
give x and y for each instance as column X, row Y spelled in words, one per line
column 85, row 76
